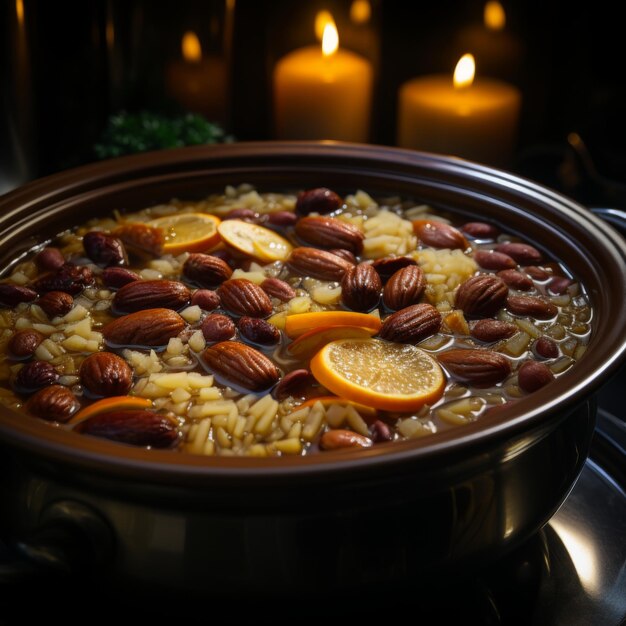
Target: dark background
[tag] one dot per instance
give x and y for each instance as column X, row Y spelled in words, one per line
column 52, row 116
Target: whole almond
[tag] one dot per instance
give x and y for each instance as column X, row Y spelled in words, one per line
column 69, row 278
column 150, row 327
column 388, row 266
column 329, row 232
column 546, row 347
column 559, row 285
column 360, row 287
column 103, row 249
column 258, row 331
column 516, row 280
column 531, row 306
column 217, row 327
column 521, row 252
column 243, row 297
column 492, row 330
column 23, row 343
column 206, row 270
column 492, row 260
column 318, row 263
column 481, row 295
column 55, row 403
column 116, row 277
column 56, row 303
column 439, row 234
column 533, row 375
column 478, row 367
column 480, row 230
column 411, row 324
column 338, row 439
column 278, row 289
column 404, row 288
column 151, row 294
column 344, row 254
column 11, row 295
column 293, row 384
column 137, row 428
column 241, row 365
column 538, row 273
column 318, row 200
column 106, row 374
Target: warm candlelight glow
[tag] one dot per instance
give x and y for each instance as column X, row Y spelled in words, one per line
column 19, row 11
column 360, row 11
column 330, row 40
column 322, row 19
column 494, row 15
column 464, row 72
column 191, row 48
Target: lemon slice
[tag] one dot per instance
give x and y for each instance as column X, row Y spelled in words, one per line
column 254, row 240
column 380, row 374
column 188, row 232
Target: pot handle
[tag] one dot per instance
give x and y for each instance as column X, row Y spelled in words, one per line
column 71, row 540
column 615, row 217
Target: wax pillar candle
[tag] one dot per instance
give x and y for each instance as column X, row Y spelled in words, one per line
column 473, row 119
column 323, row 93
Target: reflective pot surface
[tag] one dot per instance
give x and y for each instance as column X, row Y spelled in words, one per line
column 390, row 514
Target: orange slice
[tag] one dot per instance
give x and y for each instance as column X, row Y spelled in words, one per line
column 384, row 375
column 188, row 232
column 106, row 405
column 296, row 325
column 255, row 241
column 307, row 344
column 365, row 411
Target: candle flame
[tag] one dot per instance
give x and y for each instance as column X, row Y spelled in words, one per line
column 330, row 40
column 360, row 11
column 190, row 45
column 494, row 15
column 464, row 72
column 321, row 19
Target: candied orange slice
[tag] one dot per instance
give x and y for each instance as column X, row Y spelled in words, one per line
column 106, row 405
column 296, row 325
column 307, row 344
column 380, row 374
column 255, row 241
column 188, row 232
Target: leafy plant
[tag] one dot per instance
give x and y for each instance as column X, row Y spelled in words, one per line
column 128, row 133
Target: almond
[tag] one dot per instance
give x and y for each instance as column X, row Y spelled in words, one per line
column 116, row 277
column 388, row 266
column 492, row 330
column 478, row 367
column 483, row 294
column 404, row 288
column 150, row 327
column 106, row 374
column 538, row 273
column 11, row 295
column 521, row 252
column 151, row 294
column 492, row 260
column 318, row 200
column 137, row 428
column 360, row 288
column 533, row 375
column 329, row 232
column 243, row 297
column 411, row 324
column 340, row 438
column 206, row 270
column 54, row 403
column 241, row 365
column 318, row 263
column 439, row 234
column 516, row 280
column 278, row 289
column 480, row 230
column 531, row 306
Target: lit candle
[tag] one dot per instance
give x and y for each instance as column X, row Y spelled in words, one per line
column 198, row 82
column 323, row 93
column 472, row 119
